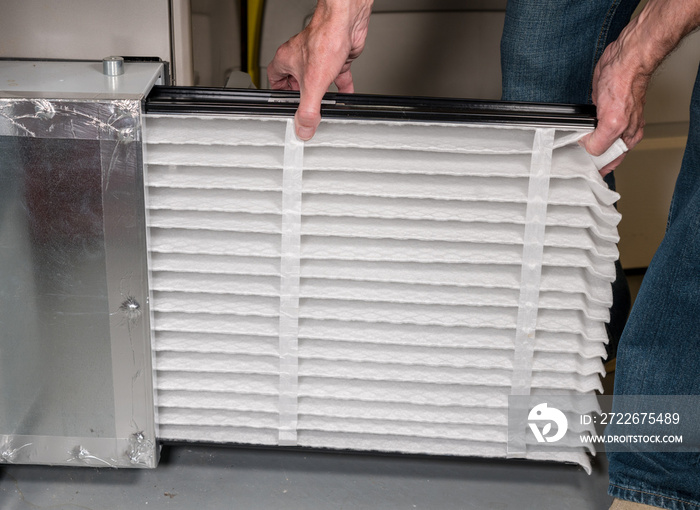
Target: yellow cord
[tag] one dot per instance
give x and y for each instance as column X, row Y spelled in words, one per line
column 255, row 12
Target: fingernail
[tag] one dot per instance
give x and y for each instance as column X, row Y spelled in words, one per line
column 305, row 133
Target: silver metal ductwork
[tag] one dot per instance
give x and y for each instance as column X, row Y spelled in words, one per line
column 75, row 356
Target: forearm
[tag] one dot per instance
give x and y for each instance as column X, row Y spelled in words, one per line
column 347, row 10
column 656, row 32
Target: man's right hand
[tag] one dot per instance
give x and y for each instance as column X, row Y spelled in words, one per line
column 320, row 55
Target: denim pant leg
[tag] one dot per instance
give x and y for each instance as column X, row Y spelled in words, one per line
column 659, row 352
column 549, row 50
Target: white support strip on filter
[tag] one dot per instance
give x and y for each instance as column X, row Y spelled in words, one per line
column 528, row 302
column 289, row 287
column 533, row 247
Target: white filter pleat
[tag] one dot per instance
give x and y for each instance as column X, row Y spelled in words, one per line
column 425, row 137
column 189, row 321
column 216, row 200
column 180, row 341
column 222, row 156
column 319, row 205
column 198, row 177
column 214, row 264
column 385, row 286
column 213, row 130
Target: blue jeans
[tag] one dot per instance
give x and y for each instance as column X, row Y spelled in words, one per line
column 550, row 48
column 659, row 351
column 548, row 54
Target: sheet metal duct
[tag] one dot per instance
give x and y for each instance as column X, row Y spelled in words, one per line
column 75, row 356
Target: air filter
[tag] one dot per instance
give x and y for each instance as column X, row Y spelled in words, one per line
column 385, row 286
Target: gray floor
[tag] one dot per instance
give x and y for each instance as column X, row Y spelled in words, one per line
column 205, row 477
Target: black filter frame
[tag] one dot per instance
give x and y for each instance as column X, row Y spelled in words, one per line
column 201, row 100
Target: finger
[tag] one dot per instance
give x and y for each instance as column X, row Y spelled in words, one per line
column 344, row 83
column 286, row 83
column 308, row 115
column 277, row 80
column 611, row 166
column 600, row 140
column 276, row 76
column 280, row 71
column 634, row 136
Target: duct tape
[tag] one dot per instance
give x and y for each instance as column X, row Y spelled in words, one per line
column 135, row 451
column 531, row 274
column 289, row 287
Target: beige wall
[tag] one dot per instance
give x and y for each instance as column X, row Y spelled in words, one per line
column 216, row 40
column 94, row 29
column 84, row 29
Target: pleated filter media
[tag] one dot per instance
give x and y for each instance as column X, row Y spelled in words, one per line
column 384, row 287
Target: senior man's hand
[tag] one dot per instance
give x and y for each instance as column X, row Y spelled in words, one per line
column 320, row 55
column 624, row 70
column 619, row 94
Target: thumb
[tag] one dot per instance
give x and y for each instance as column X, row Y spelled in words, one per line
column 600, row 140
column 308, row 115
column 591, row 142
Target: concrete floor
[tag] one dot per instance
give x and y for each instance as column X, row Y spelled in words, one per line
column 205, row 477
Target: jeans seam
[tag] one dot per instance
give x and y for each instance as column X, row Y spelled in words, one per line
column 671, row 211
column 654, row 494
column 602, row 37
